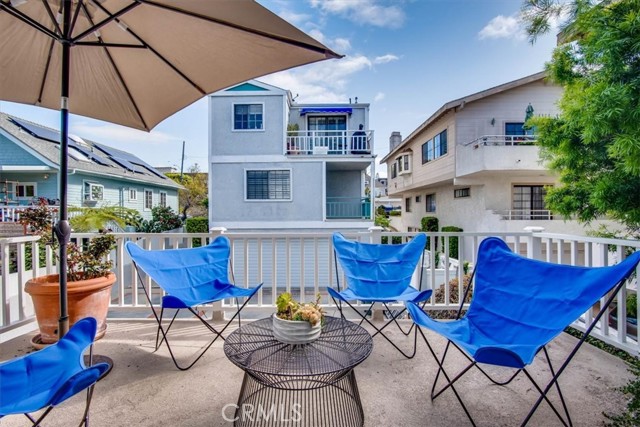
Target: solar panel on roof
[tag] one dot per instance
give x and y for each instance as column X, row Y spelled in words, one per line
column 90, row 154
column 114, row 154
column 37, row 131
column 53, row 136
column 125, row 164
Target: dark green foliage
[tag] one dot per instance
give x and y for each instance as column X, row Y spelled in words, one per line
column 382, row 221
column 594, row 145
column 453, row 241
column 395, row 213
column 91, row 262
column 631, row 417
column 396, row 240
column 427, row 224
column 197, row 224
column 162, row 219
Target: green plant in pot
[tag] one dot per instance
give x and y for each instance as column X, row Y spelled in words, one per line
column 295, row 322
column 88, row 273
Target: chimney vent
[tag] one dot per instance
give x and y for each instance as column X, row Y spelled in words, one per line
column 394, row 140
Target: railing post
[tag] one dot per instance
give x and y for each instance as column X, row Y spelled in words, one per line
column 375, row 234
column 217, row 313
column 534, row 248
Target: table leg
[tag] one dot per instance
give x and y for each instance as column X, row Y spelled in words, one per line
column 334, row 404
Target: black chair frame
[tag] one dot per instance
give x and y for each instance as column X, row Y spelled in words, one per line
column 565, row 418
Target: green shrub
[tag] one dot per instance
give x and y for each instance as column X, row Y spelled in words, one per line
column 162, row 219
column 395, row 213
column 197, row 224
column 396, row 240
column 453, row 241
column 427, row 224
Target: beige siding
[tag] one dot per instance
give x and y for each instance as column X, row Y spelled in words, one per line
column 474, row 119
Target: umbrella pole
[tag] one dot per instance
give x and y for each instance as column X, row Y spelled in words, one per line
column 62, row 228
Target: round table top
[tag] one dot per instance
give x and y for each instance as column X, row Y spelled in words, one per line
column 341, row 346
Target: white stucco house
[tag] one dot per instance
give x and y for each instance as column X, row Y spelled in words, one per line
column 278, row 164
column 473, row 165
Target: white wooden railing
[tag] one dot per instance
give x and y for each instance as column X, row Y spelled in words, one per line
column 503, row 140
column 303, row 264
column 524, row 214
column 334, row 142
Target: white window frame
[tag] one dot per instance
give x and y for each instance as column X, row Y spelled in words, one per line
column 160, row 202
column 233, row 117
column 25, row 185
column 87, row 196
column 402, row 161
column 133, row 194
column 460, row 193
column 144, row 201
column 290, row 199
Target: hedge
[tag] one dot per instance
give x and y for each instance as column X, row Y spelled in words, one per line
column 197, row 224
column 453, row 241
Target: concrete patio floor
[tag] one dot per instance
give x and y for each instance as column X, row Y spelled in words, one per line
column 145, row 389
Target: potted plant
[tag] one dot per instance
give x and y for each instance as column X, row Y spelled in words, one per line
column 296, row 323
column 89, row 279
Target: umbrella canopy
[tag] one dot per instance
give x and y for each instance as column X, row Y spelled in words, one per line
column 136, row 62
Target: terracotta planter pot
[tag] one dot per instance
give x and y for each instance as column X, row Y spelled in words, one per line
column 86, row 298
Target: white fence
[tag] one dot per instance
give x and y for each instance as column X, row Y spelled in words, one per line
column 304, row 265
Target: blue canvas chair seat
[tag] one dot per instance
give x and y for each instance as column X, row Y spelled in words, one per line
column 519, row 305
column 379, row 273
column 190, row 278
column 48, row 377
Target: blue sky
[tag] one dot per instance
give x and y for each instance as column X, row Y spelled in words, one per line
column 405, row 57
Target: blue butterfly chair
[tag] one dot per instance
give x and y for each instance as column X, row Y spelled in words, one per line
column 519, row 305
column 48, row 377
column 189, row 277
column 379, row 273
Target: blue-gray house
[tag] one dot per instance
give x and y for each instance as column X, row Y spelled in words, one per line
column 99, row 175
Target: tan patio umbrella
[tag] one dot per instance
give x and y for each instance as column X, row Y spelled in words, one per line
column 136, row 62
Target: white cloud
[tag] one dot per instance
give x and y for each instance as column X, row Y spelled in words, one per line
column 296, row 19
column 505, row 27
column 323, row 82
column 385, row 59
column 364, row 12
column 341, row 45
column 379, row 97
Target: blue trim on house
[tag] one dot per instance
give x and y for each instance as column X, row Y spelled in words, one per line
column 246, row 87
column 326, row 110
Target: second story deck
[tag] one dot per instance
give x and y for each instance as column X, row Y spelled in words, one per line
column 330, row 142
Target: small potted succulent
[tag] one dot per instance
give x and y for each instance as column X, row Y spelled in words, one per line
column 296, row 323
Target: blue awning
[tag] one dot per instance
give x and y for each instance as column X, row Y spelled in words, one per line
column 333, row 110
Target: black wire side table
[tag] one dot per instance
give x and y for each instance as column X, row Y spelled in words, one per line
column 299, row 385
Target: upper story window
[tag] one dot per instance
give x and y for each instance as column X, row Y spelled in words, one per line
column 268, row 185
column 435, row 147
column 394, row 169
column 133, row 194
column 248, row 117
column 404, row 164
column 93, row 192
column 407, row 204
column 163, row 199
column 514, row 129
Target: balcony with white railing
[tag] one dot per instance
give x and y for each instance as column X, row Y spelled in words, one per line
column 302, row 264
column 496, row 153
column 525, row 214
column 330, row 142
column 144, row 380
